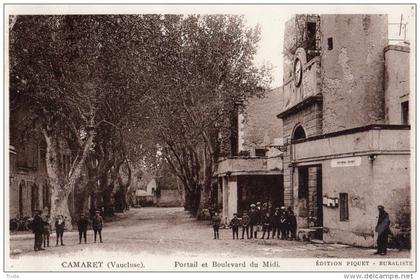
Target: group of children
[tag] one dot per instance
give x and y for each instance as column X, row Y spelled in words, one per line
column 278, row 222
column 42, row 228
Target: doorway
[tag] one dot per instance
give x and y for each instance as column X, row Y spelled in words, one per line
column 310, row 213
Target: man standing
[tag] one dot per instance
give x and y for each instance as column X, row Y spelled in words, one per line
column 266, row 223
column 275, row 220
column 382, row 228
column 216, row 220
column 253, row 221
column 283, row 224
column 38, row 230
column 97, row 224
column 82, row 225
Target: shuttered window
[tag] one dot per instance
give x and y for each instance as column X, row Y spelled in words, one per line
column 344, row 207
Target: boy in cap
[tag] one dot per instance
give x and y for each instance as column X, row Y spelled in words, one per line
column 283, row 223
column 245, row 225
column 82, row 226
column 234, row 223
column 47, row 231
column 97, row 224
column 59, row 229
column 216, row 220
column 266, row 223
column 253, row 221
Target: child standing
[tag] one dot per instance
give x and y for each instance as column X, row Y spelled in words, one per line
column 59, row 229
column 216, row 220
column 47, row 231
column 82, row 225
column 234, row 223
column 97, row 224
column 266, row 223
column 245, row 225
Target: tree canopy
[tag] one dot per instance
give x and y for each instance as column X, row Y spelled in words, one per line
column 123, row 89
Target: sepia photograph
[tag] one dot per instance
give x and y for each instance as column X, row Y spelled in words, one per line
column 217, row 137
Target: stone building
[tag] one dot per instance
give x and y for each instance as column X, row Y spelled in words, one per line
column 345, row 125
column 253, row 171
column 29, row 189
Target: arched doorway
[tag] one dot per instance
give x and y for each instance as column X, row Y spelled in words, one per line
column 298, row 133
column 46, row 195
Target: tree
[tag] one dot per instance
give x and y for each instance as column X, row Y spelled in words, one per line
column 82, row 80
column 206, row 70
column 116, row 90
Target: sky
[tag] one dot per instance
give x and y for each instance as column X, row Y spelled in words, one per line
column 272, row 30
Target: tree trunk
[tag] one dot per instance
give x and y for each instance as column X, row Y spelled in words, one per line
column 59, row 206
column 63, row 184
column 192, row 201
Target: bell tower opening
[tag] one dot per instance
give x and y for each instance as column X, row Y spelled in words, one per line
column 298, row 133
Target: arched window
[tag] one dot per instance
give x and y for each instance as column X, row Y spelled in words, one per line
column 34, row 198
column 298, row 133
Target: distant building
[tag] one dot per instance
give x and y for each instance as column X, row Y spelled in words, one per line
column 345, row 125
column 159, row 192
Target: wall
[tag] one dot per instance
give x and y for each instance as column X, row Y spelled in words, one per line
column 397, row 83
column 352, row 72
column 310, row 85
column 311, row 120
column 384, row 181
column 260, row 125
column 169, row 198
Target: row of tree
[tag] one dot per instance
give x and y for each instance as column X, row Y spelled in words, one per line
column 132, row 90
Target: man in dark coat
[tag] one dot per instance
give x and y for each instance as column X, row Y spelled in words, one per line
column 97, row 224
column 382, row 228
column 82, row 226
column 38, row 230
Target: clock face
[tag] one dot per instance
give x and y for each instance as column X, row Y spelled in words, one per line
column 297, row 72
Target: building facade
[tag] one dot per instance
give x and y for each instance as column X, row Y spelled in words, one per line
column 345, row 125
column 344, row 129
column 29, row 189
column 253, row 172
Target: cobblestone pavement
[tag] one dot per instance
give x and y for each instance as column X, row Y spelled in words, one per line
column 165, row 231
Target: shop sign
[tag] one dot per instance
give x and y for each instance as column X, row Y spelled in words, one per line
column 346, row 162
